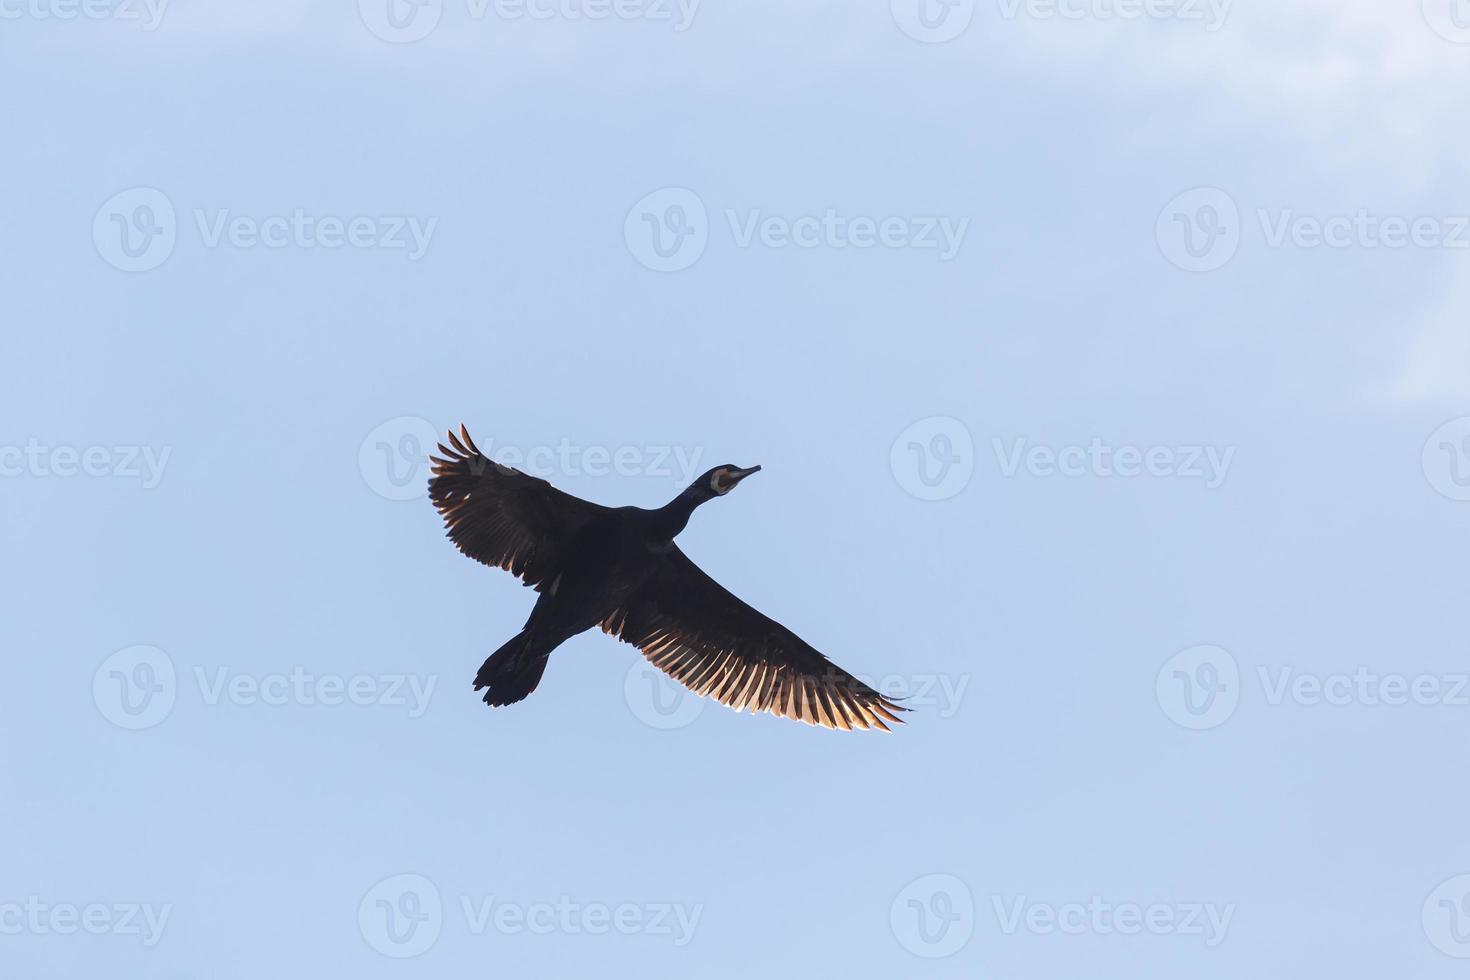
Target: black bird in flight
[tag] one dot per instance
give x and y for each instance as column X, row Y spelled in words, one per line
column 618, row 568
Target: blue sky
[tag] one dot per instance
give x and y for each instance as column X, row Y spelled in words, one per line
column 1110, row 377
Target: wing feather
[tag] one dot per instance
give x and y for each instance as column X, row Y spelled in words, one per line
column 502, row 517
column 702, row 636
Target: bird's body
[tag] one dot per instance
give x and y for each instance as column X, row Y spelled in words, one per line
column 619, row 568
column 605, row 563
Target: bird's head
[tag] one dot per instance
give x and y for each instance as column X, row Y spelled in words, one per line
column 721, row 480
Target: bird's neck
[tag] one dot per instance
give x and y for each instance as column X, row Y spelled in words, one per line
column 673, row 516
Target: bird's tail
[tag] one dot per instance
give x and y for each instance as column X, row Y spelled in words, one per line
column 513, row 671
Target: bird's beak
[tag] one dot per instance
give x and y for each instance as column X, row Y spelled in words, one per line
column 737, row 475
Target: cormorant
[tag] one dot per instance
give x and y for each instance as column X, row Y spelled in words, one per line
column 618, row 568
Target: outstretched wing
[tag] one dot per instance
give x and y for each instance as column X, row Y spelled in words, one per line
column 697, row 632
column 501, row 516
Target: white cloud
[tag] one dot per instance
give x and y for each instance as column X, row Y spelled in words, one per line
column 1326, row 61
column 1365, row 73
column 1366, row 83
